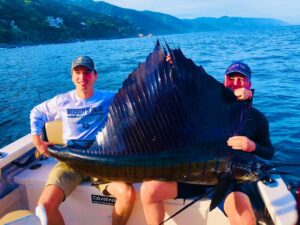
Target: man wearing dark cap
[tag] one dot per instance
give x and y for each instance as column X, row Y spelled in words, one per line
column 238, row 78
column 83, row 112
column 255, row 139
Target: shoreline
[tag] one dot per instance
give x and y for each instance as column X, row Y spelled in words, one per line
column 20, row 45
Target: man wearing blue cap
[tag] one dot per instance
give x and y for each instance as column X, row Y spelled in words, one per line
column 255, row 139
column 238, row 79
column 83, row 112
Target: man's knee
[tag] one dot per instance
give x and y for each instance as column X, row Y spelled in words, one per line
column 148, row 192
column 51, row 198
column 128, row 193
column 122, row 191
column 239, row 209
column 157, row 191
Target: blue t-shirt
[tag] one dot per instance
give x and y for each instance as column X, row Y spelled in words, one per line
column 82, row 118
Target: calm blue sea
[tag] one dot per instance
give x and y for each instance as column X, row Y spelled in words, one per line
column 33, row 74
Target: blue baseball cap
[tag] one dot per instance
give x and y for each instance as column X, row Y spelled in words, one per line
column 83, row 61
column 239, row 67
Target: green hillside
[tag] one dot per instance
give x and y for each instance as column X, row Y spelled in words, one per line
column 45, row 21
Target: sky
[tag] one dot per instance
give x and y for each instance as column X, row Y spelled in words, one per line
column 286, row 10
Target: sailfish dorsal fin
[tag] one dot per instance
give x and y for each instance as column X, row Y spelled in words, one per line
column 161, row 107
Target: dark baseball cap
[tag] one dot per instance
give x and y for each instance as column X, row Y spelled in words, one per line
column 83, row 61
column 239, row 67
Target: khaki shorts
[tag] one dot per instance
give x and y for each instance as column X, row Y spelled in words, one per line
column 68, row 179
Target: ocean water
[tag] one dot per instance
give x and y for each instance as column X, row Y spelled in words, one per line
column 32, row 74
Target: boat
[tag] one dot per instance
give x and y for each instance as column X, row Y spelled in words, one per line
column 22, row 183
column 23, row 177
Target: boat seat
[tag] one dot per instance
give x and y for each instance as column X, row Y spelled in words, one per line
column 53, row 132
column 9, row 217
column 24, row 217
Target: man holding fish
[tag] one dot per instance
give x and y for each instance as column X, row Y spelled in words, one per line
column 83, row 112
column 256, row 139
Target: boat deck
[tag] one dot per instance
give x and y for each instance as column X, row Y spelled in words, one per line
column 86, row 203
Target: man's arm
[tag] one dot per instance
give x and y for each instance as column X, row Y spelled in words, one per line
column 242, row 143
column 261, row 144
column 41, row 146
column 39, row 115
column 264, row 147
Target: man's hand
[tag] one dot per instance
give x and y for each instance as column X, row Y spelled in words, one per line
column 243, row 93
column 241, row 143
column 169, row 59
column 41, row 146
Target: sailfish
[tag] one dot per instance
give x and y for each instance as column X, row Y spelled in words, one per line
column 170, row 122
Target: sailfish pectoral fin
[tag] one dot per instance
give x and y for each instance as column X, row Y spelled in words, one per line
column 221, row 189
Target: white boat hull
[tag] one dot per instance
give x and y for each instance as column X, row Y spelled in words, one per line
column 86, row 205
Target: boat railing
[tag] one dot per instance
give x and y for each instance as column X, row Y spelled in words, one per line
column 14, row 150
